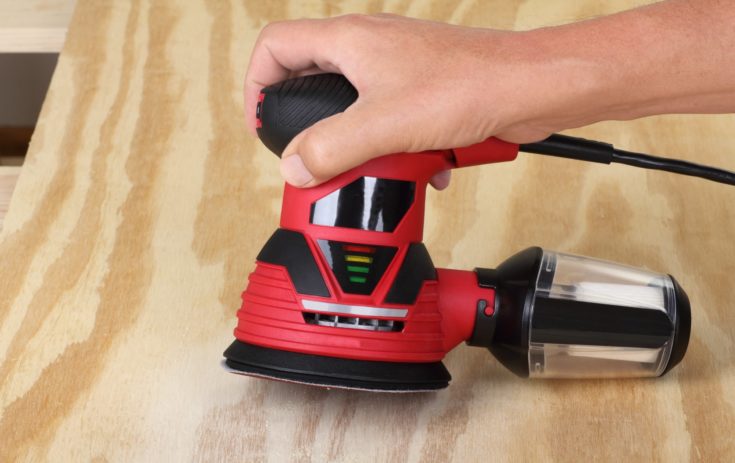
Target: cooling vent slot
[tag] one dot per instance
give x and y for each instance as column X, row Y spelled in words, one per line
column 340, row 321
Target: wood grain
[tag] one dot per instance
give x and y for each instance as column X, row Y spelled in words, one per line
column 8, row 179
column 142, row 206
column 33, row 26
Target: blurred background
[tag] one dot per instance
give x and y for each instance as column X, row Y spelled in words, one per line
column 24, row 78
column 32, row 34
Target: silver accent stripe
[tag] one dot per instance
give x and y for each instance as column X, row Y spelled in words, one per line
column 330, row 307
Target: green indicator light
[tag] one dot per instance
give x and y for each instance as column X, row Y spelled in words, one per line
column 357, row 269
column 358, row 279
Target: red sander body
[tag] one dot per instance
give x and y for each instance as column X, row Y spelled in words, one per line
column 345, row 294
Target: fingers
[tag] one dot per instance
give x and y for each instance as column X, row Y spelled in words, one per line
column 441, row 180
column 334, row 146
column 388, row 117
column 343, row 141
column 285, row 49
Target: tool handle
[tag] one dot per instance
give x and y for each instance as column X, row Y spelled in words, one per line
column 288, row 107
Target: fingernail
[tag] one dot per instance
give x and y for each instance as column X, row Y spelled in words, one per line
column 441, row 180
column 294, row 171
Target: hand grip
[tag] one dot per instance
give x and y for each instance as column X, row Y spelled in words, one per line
column 288, row 107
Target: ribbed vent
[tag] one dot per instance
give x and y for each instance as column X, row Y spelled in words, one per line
column 339, row 321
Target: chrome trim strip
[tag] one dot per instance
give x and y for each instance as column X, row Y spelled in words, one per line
column 331, row 307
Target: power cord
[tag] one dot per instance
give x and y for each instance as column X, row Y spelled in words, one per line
column 581, row 149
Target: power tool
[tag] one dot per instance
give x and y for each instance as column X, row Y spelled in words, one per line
column 345, row 294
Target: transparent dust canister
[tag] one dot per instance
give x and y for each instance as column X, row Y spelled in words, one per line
column 595, row 319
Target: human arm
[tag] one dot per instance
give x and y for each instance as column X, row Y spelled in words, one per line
column 426, row 85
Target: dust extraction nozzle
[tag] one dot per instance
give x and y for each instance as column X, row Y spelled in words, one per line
column 565, row 316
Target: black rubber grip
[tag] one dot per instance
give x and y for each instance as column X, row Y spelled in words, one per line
column 288, row 107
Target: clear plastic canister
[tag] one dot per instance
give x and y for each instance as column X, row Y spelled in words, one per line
column 591, row 318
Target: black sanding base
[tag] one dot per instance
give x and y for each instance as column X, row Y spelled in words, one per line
column 317, row 370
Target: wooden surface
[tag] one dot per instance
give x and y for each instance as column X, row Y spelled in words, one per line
column 143, row 204
column 31, row 26
column 8, row 179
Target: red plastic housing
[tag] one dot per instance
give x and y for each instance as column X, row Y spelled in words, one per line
column 443, row 314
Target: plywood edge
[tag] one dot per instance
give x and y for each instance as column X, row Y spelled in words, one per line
column 32, row 40
column 8, row 179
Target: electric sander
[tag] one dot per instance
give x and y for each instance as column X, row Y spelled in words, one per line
column 345, row 294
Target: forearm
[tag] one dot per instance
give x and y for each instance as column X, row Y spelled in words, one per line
column 671, row 57
column 425, row 85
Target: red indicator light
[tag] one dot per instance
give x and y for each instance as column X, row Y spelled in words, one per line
column 258, row 108
column 357, row 248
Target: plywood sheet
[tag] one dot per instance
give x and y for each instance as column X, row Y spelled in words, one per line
column 32, row 26
column 143, row 204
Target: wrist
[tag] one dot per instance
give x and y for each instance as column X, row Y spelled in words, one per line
column 559, row 84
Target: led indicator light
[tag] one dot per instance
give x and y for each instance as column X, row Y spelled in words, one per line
column 357, row 269
column 355, row 254
column 357, row 248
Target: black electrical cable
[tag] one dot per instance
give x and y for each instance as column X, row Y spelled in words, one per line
column 594, row 151
column 674, row 165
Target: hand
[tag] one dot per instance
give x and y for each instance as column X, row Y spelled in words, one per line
column 422, row 85
column 425, row 85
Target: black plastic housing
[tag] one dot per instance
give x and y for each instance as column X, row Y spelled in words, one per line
column 293, row 105
column 683, row 326
column 514, row 283
column 325, row 371
column 519, row 310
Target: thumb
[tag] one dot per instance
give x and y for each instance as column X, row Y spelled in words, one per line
column 338, row 143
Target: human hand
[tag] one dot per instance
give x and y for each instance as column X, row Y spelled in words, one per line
column 425, row 85
column 422, row 85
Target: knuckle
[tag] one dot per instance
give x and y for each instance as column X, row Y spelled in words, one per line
column 267, row 30
column 265, row 34
column 318, row 154
column 355, row 30
column 350, row 24
column 270, row 31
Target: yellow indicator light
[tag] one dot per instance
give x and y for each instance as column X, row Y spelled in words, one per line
column 361, row 259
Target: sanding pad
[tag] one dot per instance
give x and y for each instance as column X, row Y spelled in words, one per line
column 329, row 372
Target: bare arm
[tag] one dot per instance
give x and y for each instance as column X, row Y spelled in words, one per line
column 671, row 57
column 426, row 85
